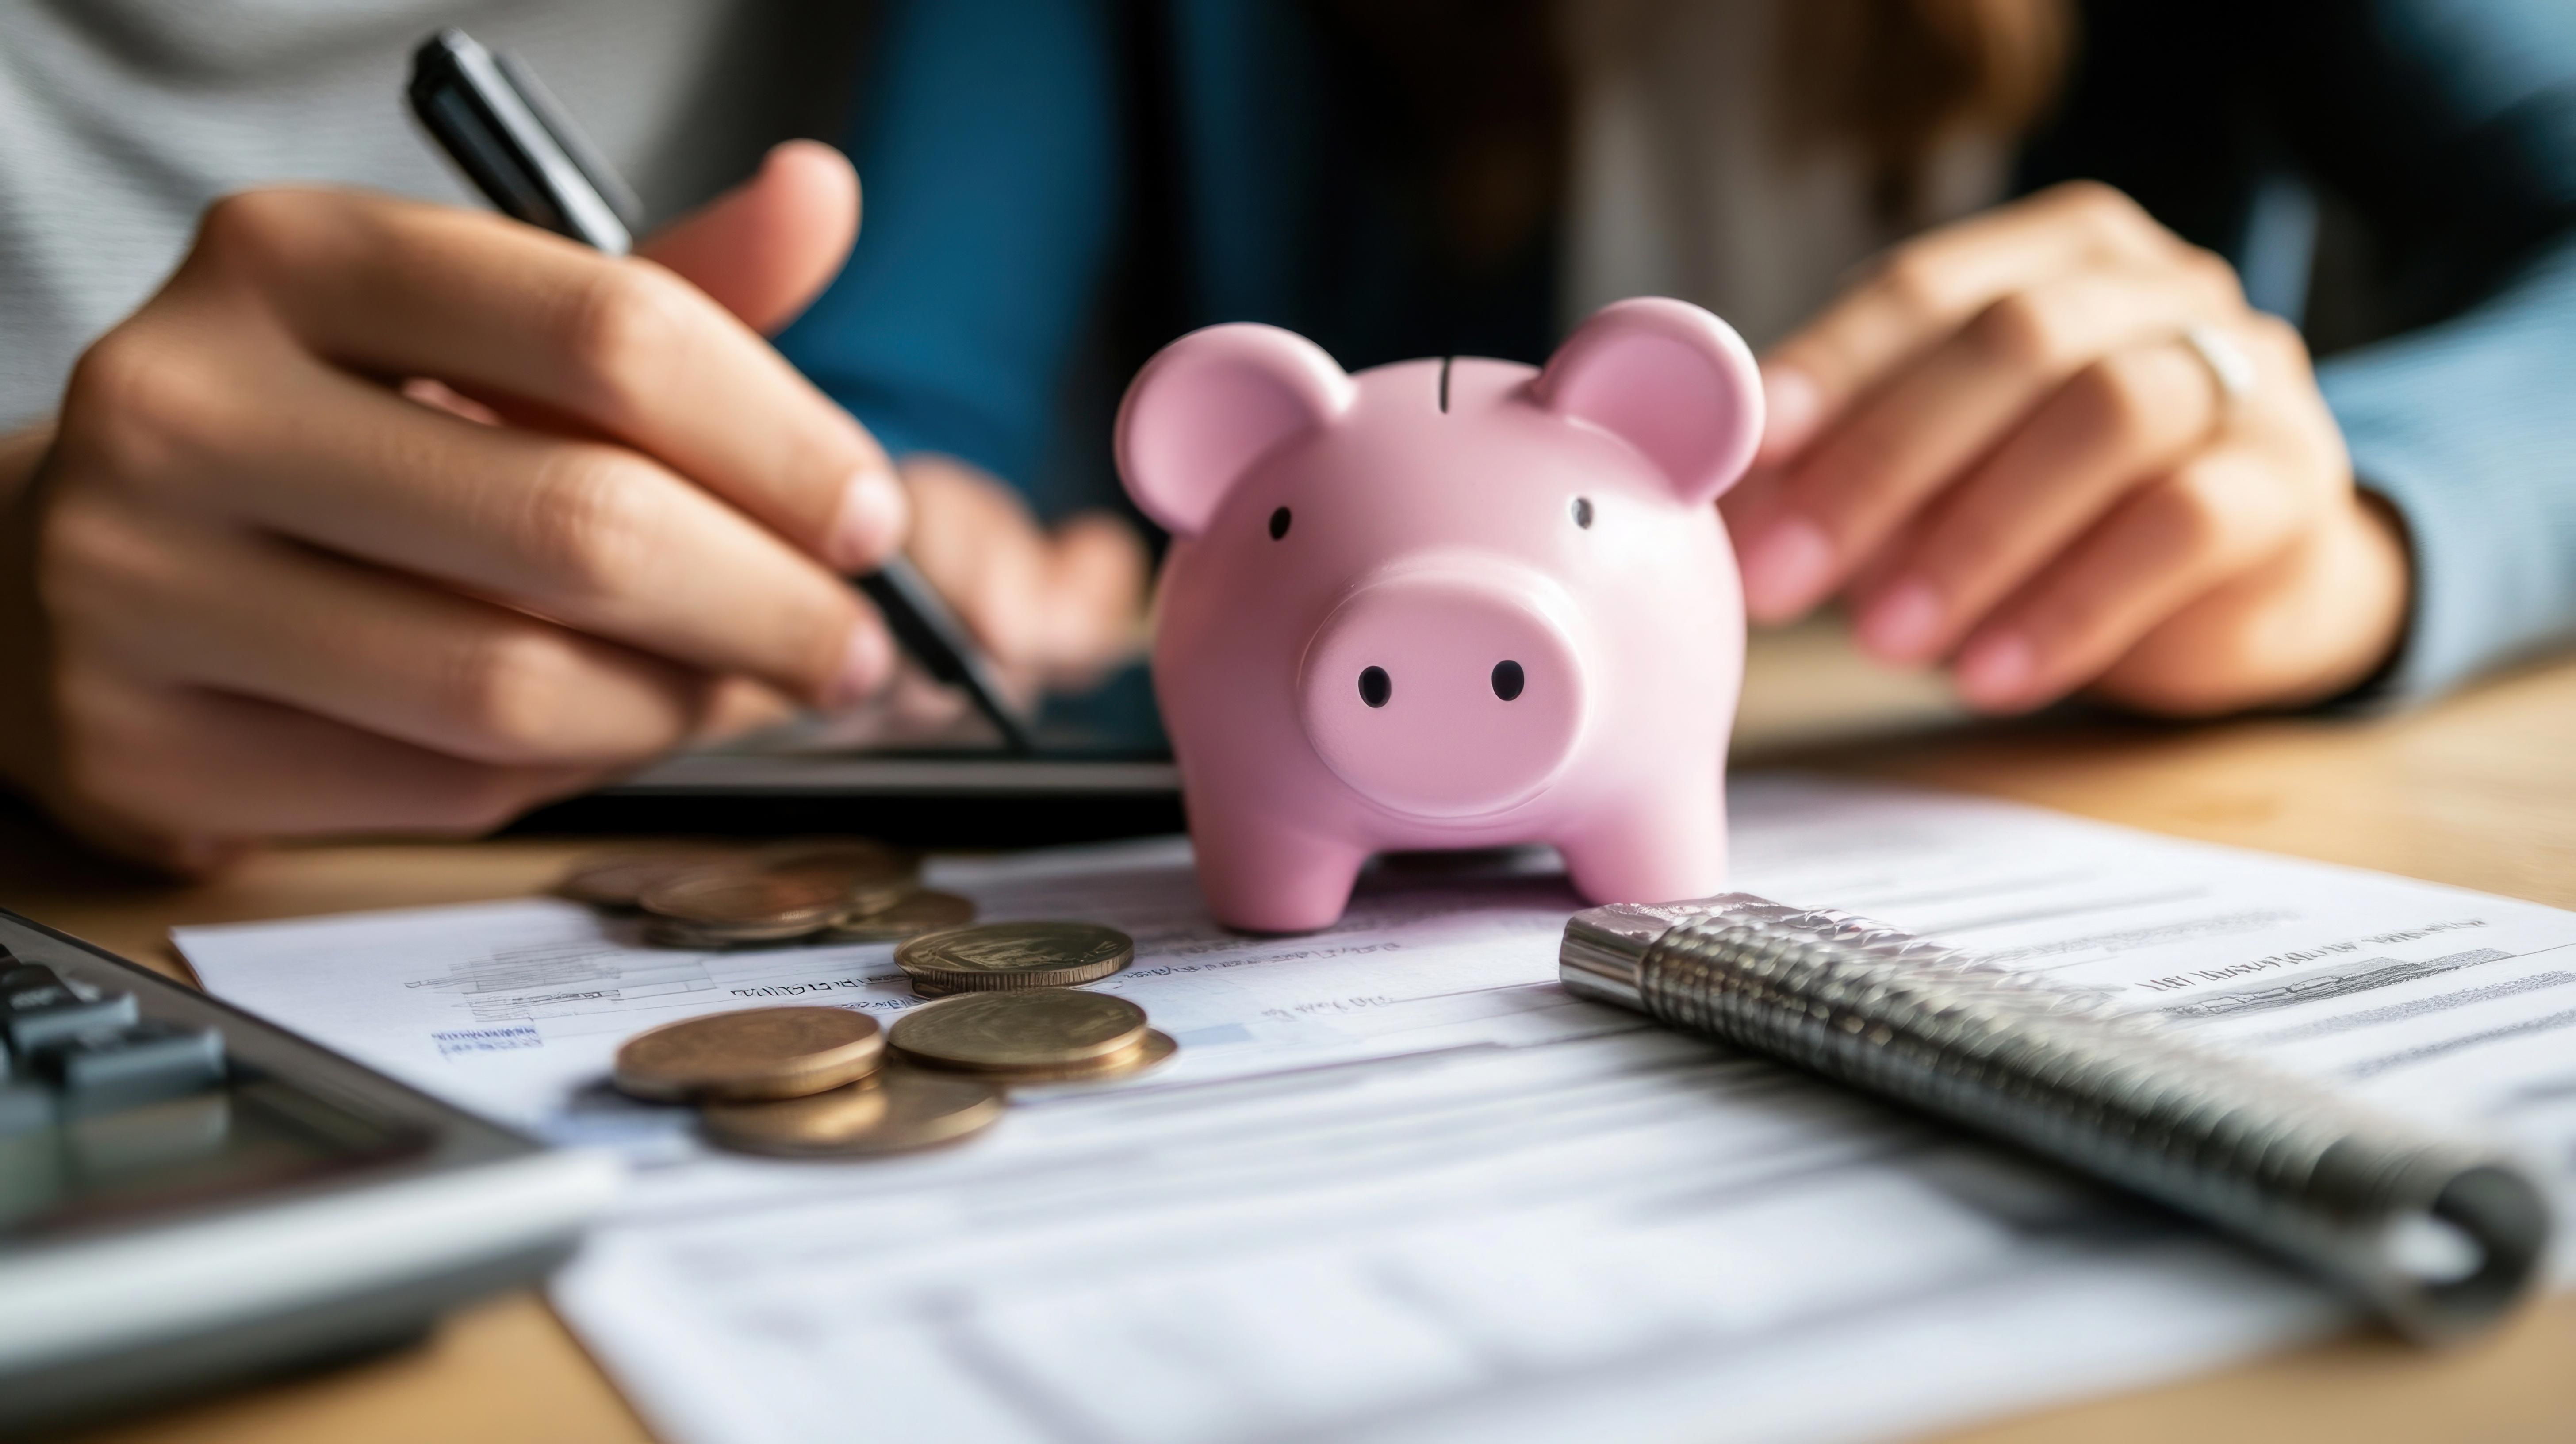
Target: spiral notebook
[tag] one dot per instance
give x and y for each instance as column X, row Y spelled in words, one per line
column 2441, row 1234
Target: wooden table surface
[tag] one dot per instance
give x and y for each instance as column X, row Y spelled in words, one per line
column 2479, row 791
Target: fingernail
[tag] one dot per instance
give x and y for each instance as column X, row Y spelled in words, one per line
column 1903, row 624
column 1790, row 565
column 1996, row 670
column 1792, row 404
column 866, row 660
column 869, row 523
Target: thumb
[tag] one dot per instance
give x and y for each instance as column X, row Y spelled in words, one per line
column 770, row 245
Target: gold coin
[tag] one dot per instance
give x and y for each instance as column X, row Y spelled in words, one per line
column 918, row 913
column 1037, row 1028
column 671, row 933
column 898, row 1110
column 749, row 903
column 991, row 957
column 1151, row 1051
column 869, row 875
column 754, row 1053
column 618, row 879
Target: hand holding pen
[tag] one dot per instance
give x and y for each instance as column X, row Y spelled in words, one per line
column 284, row 597
column 514, row 141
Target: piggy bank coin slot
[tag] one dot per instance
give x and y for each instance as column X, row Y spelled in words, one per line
column 1279, row 523
column 1376, row 687
column 1508, row 680
column 1582, row 513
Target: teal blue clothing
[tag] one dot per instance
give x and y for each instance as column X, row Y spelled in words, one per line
column 1043, row 173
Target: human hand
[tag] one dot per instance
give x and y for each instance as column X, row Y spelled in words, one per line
column 1056, row 608
column 281, row 595
column 2002, row 451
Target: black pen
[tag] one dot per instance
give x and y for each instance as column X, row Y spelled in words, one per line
column 510, row 137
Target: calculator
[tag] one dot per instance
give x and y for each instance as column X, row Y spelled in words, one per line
column 191, row 1197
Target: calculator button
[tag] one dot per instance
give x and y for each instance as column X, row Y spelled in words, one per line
column 141, row 1064
column 42, row 1011
column 32, row 1174
column 25, row 1106
column 115, row 1149
column 33, row 985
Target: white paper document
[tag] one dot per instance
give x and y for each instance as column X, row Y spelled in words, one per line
column 1399, row 1185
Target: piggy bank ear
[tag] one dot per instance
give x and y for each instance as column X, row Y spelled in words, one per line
column 1669, row 379
column 1210, row 405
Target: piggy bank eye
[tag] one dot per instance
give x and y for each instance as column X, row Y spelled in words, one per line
column 1279, row 523
column 1582, row 515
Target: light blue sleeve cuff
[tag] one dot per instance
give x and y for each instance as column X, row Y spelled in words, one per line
column 2468, row 429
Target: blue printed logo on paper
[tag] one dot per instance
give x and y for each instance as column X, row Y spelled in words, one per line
column 487, row 1040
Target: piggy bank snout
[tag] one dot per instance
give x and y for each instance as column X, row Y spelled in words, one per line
column 1446, row 694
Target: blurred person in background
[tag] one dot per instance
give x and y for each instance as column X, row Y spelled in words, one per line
column 391, row 516
column 2026, row 276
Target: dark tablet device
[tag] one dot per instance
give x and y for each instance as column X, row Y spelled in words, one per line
column 190, row 1197
column 925, row 775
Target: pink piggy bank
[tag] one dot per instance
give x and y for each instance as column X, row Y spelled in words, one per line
column 1447, row 604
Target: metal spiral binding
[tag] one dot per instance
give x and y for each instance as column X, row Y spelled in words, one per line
column 2442, row 1238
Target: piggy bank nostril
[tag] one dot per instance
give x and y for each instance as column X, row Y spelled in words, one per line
column 1508, row 680
column 1375, row 687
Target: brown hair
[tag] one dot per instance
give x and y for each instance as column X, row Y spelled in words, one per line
column 1485, row 82
column 1901, row 76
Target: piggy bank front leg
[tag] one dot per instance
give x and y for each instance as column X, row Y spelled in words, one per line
column 1660, row 848
column 1269, row 879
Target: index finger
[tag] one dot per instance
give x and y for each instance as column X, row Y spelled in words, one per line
column 399, row 288
column 1930, row 287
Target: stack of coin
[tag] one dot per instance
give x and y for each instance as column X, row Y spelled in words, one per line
column 1032, row 1035
column 921, row 912
column 803, row 1082
column 1001, row 957
column 616, row 880
column 752, row 1054
column 871, row 876
column 897, row 1111
column 853, row 891
column 739, row 906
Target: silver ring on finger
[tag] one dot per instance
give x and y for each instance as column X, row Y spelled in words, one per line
column 2230, row 369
